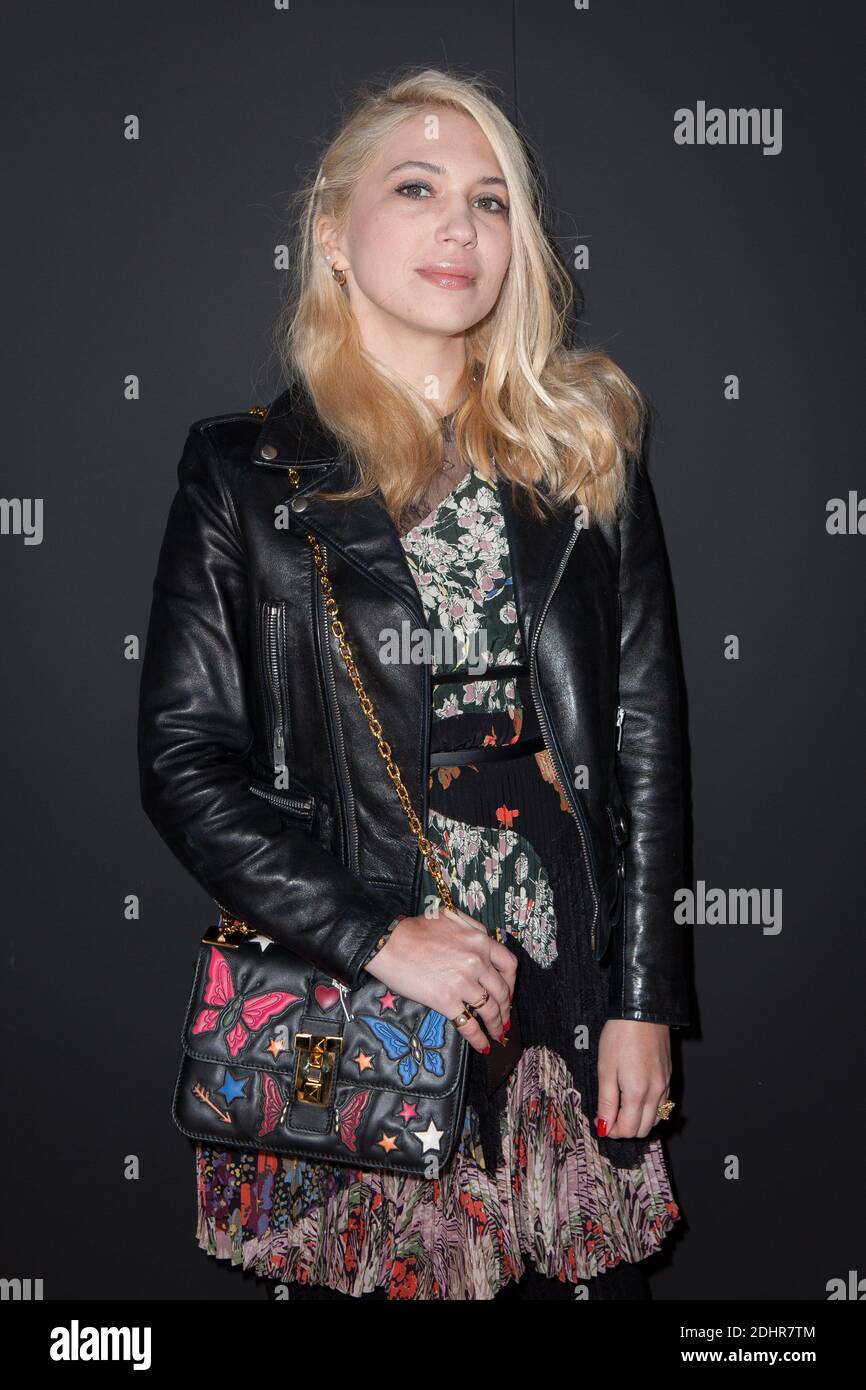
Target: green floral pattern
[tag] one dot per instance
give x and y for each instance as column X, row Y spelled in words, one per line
column 459, row 557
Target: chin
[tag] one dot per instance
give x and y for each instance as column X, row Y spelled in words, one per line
column 449, row 320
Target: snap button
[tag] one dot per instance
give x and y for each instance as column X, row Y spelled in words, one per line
column 268, row 451
column 299, row 504
column 619, row 823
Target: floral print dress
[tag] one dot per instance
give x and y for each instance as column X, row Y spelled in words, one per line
column 529, row 1185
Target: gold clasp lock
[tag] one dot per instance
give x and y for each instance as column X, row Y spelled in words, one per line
column 316, row 1066
column 229, row 926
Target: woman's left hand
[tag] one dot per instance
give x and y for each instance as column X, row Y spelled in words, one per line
column 634, row 1073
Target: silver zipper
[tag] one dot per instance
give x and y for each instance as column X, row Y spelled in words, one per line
column 427, row 711
column 283, row 802
column 545, row 730
column 344, row 992
column 274, row 682
column 338, row 723
column 620, row 712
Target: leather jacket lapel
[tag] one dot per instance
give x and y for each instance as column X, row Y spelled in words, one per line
column 364, row 533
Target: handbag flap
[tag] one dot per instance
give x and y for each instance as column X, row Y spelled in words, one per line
column 250, row 1007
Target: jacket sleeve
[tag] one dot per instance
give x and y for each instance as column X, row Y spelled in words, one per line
column 194, row 734
column 647, row 976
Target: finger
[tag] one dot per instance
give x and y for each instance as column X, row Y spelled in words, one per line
column 473, row 1033
column 505, row 961
column 629, row 1118
column 496, row 1010
column 490, row 1012
column 650, row 1115
column 496, row 985
column 608, row 1099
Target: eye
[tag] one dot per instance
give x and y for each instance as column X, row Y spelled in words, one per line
column 491, row 197
column 483, row 197
column 404, row 186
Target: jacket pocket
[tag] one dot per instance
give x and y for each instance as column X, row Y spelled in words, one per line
column 272, row 644
column 297, row 803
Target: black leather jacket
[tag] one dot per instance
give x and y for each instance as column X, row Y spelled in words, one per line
column 240, row 674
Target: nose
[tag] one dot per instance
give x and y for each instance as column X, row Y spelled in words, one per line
column 456, row 223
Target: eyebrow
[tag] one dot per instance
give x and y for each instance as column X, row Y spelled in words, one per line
column 438, row 169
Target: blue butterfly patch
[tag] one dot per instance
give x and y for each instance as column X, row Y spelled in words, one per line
column 412, row 1050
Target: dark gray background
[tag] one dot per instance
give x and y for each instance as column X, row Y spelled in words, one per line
column 155, row 258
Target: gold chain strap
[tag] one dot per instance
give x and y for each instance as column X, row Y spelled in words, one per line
column 339, row 631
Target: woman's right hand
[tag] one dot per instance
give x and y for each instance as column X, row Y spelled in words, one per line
column 446, row 961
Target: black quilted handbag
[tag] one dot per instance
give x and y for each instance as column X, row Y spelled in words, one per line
column 280, row 1058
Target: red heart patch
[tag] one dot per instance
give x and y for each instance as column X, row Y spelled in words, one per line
column 326, row 996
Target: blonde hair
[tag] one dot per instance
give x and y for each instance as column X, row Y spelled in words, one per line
column 559, row 422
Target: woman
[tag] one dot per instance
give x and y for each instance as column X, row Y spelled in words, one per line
column 463, row 465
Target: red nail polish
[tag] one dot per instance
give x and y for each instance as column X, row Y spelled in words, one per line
column 601, row 1126
column 507, row 1026
column 486, row 1049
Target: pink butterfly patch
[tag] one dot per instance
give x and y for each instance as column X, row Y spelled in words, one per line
column 236, row 1015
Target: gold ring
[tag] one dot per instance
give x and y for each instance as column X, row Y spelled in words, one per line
column 664, row 1110
column 481, row 1002
column 461, row 1019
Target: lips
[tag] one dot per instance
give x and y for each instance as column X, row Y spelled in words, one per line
column 449, row 277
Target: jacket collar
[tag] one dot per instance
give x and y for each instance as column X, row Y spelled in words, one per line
column 363, row 532
column 292, row 434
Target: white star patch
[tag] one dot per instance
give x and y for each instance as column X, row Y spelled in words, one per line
column 429, row 1137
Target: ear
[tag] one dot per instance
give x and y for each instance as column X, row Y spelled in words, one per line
column 325, row 233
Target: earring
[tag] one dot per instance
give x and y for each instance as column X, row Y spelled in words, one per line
column 339, row 275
